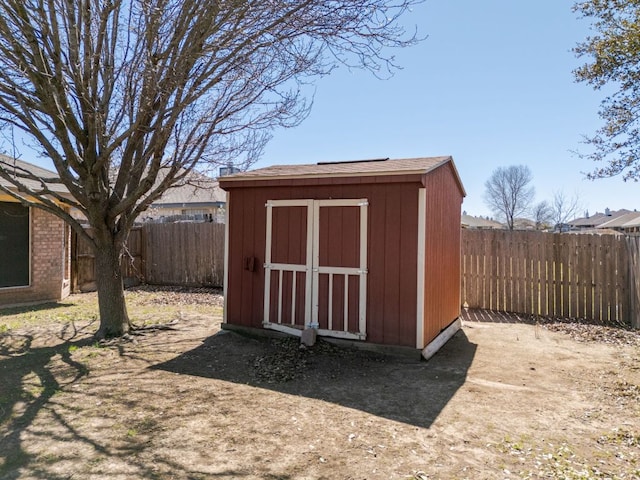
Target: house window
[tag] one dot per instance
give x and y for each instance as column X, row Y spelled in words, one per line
column 14, row 245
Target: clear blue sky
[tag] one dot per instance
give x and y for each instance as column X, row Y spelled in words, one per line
column 491, row 86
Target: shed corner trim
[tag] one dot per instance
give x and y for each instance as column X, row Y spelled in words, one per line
column 420, row 279
column 443, row 337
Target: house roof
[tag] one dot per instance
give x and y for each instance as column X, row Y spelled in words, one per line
column 199, row 189
column 523, row 224
column 597, row 219
column 621, row 221
column 14, row 166
column 470, row 221
column 355, row 168
column 634, row 222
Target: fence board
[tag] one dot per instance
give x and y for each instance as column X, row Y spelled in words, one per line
column 547, row 284
column 623, row 288
column 633, row 247
column 595, row 277
column 608, row 271
column 518, row 278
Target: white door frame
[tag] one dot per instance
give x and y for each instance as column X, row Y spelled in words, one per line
column 360, row 271
column 313, row 270
column 282, row 267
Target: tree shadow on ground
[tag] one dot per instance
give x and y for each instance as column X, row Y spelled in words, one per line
column 28, row 385
column 39, row 398
column 395, row 388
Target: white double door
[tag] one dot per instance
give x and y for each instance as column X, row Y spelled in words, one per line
column 316, row 266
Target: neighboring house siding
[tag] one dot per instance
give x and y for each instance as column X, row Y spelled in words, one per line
column 49, row 262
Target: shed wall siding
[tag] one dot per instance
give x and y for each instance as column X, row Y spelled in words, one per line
column 47, row 262
column 392, row 252
column 442, row 276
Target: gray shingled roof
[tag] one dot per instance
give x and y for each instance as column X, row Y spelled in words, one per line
column 634, row 222
column 374, row 167
column 200, row 189
column 479, row 222
column 10, row 163
column 622, row 221
column 597, row 219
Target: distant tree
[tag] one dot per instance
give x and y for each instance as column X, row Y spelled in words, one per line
column 613, row 55
column 564, row 208
column 509, row 192
column 541, row 214
column 126, row 97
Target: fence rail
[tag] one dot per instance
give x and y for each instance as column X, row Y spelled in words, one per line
column 577, row 276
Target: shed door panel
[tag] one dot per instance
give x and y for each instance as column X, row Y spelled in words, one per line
column 288, row 264
column 339, row 232
column 340, row 267
column 289, row 235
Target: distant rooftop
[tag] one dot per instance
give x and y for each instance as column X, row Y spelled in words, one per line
column 630, row 219
column 597, row 219
column 469, row 221
column 198, row 189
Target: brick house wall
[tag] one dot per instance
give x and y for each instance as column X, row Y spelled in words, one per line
column 50, row 262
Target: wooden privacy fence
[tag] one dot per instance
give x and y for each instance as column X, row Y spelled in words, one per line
column 594, row 277
column 184, row 254
column 83, row 276
column 161, row 254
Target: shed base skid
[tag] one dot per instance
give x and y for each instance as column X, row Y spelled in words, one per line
column 405, row 352
column 442, row 338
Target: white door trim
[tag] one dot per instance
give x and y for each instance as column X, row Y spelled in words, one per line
column 360, row 271
column 281, row 267
column 313, row 269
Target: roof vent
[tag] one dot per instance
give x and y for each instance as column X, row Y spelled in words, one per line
column 355, row 161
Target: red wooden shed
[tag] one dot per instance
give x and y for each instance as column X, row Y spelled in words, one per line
column 363, row 250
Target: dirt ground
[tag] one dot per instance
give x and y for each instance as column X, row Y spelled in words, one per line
column 506, row 398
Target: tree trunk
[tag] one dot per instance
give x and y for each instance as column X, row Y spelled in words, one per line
column 114, row 320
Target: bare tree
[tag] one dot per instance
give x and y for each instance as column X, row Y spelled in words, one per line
column 509, row 192
column 541, row 213
column 126, row 97
column 564, row 208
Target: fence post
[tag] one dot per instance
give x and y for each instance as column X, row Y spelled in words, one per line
column 143, row 252
column 633, row 247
